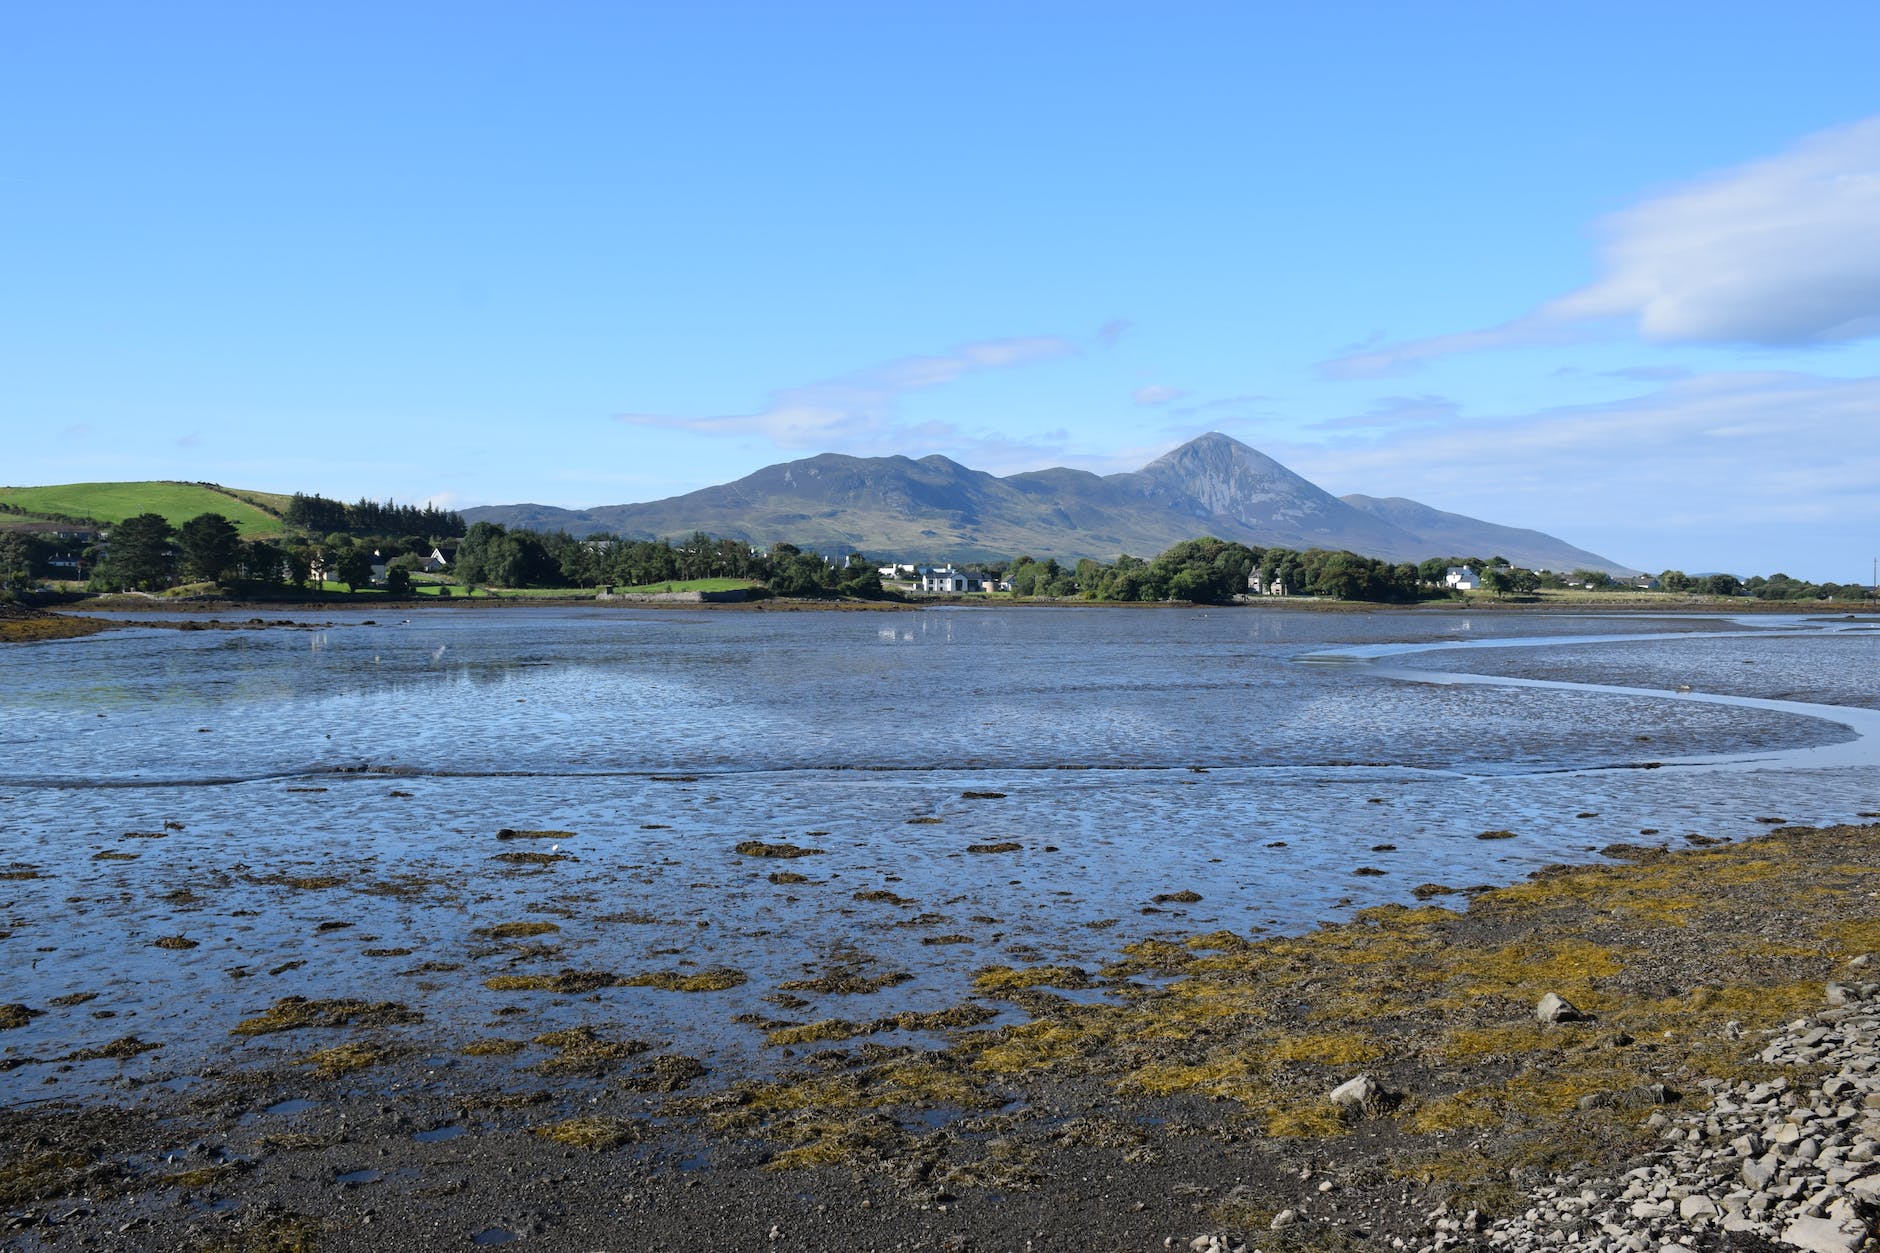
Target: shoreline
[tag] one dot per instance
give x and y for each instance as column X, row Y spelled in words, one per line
column 1192, row 1098
column 1618, row 604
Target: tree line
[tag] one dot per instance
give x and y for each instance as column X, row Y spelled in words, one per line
column 504, row 557
column 147, row 553
column 364, row 517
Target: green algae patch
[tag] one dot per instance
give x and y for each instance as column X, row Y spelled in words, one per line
column 717, row 979
column 292, row 1013
column 784, row 877
column 178, row 942
column 111, row 854
column 594, row 1133
column 758, row 848
column 521, row 930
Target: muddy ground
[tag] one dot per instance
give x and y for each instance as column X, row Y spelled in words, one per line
column 1160, row 1090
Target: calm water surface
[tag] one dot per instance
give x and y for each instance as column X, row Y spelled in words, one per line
column 164, row 784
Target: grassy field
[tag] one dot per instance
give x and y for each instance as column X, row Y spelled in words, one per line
column 177, row 502
column 689, row 585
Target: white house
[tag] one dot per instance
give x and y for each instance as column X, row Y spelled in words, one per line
column 1268, row 587
column 1463, row 579
column 948, row 580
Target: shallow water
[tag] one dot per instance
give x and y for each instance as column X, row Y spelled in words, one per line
column 1255, row 757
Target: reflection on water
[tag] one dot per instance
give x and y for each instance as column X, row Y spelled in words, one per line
column 319, row 812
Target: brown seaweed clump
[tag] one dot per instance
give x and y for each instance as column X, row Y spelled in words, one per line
column 566, row 982
column 521, row 930
column 757, row 848
column 17, row 1015
column 347, row 1059
column 717, row 979
column 533, row 859
column 1001, row 846
column 582, row 1051
column 291, row 1013
column 175, row 942
column 593, row 1132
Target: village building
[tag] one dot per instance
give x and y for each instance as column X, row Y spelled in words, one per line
column 945, row 580
column 1462, row 578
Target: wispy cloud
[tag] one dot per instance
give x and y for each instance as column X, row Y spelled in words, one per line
column 1649, row 373
column 860, row 408
column 1395, row 411
column 1157, row 395
column 1779, row 252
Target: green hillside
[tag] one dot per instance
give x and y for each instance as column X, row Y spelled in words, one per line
column 177, row 502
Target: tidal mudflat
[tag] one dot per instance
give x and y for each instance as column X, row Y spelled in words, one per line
column 595, row 928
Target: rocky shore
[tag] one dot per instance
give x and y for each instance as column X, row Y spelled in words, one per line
column 1669, row 1049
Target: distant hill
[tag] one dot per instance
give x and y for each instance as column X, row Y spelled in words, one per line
column 1458, row 533
column 935, row 508
column 256, row 515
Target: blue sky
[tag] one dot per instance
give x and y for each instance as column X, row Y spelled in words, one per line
column 1608, row 270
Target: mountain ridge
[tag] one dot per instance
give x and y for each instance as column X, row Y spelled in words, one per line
column 934, row 508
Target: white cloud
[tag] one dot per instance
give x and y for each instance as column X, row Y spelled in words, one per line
column 1740, row 471
column 862, row 408
column 1157, row 395
column 1779, row 252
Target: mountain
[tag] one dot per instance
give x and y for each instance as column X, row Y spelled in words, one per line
column 935, row 508
column 1457, row 533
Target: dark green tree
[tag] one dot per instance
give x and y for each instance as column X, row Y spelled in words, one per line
column 353, row 567
column 17, row 559
column 263, row 562
column 209, row 545
column 138, row 554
